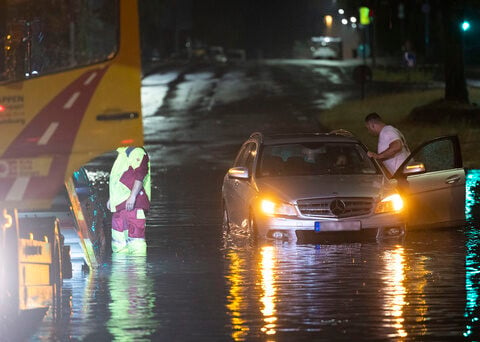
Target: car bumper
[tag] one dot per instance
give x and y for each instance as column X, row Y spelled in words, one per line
column 381, row 226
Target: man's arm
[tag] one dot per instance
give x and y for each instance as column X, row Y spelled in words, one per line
column 130, row 203
column 139, row 162
column 393, row 149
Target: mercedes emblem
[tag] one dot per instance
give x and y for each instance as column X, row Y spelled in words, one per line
column 337, row 207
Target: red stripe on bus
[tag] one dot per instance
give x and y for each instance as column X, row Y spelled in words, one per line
column 67, row 109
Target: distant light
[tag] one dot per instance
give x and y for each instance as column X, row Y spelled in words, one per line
column 354, row 25
column 465, row 25
column 2, row 108
column 328, row 20
column 341, row 11
column 344, row 21
column 327, row 39
column 353, row 19
column 321, row 39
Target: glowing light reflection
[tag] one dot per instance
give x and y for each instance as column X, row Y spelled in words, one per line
column 472, row 277
column 395, row 288
column 267, row 267
column 472, row 258
column 236, row 298
column 472, row 189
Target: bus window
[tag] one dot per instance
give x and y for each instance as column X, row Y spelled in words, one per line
column 38, row 37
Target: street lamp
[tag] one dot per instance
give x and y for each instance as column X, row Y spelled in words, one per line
column 328, row 21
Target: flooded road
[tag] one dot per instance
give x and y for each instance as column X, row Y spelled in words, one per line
column 198, row 285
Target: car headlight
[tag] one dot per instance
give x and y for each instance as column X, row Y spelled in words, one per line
column 390, row 203
column 277, row 208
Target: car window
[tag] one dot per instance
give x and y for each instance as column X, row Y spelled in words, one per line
column 437, row 156
column 314, row 158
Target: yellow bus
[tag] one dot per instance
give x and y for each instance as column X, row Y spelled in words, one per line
column 70, row 77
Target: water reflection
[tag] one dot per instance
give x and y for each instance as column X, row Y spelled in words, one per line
column 132, row 303
column 267, row 267
column 426, row 288
column 236, row 296
column 82, row 299
column 472, row 195
column 364, row 291
column 395, row 291
column 472, row 258
column 472, row 282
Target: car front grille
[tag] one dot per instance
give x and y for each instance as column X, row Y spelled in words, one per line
column 338, row 207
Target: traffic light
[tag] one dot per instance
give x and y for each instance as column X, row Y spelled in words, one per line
column 465, row 25
column 364, row 15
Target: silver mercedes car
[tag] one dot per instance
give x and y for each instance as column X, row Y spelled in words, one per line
column 302, row 186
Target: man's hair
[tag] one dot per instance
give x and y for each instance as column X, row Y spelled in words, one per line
column 373, row 117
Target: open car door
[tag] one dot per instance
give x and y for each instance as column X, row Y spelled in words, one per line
column 432, row 181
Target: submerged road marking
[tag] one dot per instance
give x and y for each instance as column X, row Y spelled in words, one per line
column 48, row 133
column 18, row 189
column 71, row 100
column 90, row 79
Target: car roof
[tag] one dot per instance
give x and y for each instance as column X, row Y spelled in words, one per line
column 333, row 136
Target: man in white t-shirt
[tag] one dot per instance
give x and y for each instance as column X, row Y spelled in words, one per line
column 392, row 147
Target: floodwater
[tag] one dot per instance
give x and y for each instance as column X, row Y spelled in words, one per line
column 198, row 285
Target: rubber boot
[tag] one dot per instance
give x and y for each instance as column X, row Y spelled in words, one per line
column 119, row 241
column 137, row 246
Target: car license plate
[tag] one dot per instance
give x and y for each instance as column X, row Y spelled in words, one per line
column 334, row 226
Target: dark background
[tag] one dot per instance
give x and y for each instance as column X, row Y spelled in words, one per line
column 269, row 28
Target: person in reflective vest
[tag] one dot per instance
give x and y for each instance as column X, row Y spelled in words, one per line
column 129, row 200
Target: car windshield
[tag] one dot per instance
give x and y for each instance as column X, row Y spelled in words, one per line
column 314, row 158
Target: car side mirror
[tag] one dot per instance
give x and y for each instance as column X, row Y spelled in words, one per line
column 239, row 172
column 413, row 167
